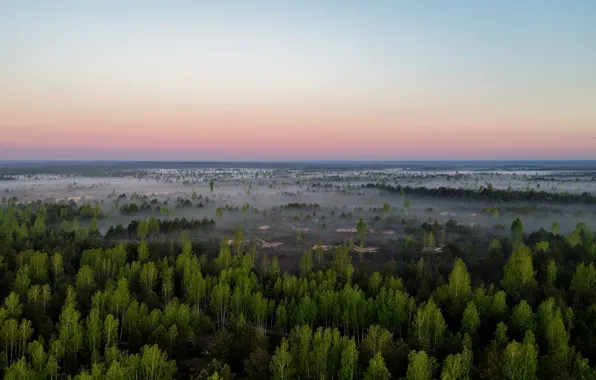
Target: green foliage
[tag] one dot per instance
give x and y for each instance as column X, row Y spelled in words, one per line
column 520, row 360
column 522, row 318
column 377, row 341
column 87, row 306
column 457, row 366
column 519, row 274
column 471, row 319
column 306, row 263
column 274, row 269
column 428, row 240
column 551, row 272
column 281, row 363
column 216, row 370
column 421, row 366
column 143, row 229
column 238, row 241
column 377, row 369
column 361, row 231
column 143, row 252
column 555, row 228
column 459, row 282
column 428, row 326
column 349, row 361
column 257, row 365
column 517, row 228
column 386, row 209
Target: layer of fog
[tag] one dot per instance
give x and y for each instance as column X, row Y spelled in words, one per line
column 341, row 203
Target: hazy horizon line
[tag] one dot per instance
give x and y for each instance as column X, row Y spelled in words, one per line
column 296, row 160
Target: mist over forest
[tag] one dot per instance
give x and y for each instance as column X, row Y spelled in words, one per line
column 241, row 270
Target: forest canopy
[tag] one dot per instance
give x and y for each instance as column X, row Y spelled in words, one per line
column 146, row 301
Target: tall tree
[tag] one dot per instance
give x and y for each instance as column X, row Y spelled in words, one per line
column 264, row 265
column 428, row 325
column 111, row 330
column 143, row 229
column 377, row 341
column 220, row 300
column 57, row 267
column 94, row 333
column 281, row 363
column 148, row 276
column 555, row 228
column 120, row 300
column 143, row 252
column 319, row 253
column 406, row 204
column 522, row 319
column 551, row 272
column 386, row 209
column 349, row 361
column 274, row 269
column 471, row 319
column 457, row 366
column 517, row 228
column 377, row 369
column 361, row 231
column 421, row 366
column 238, row 241
column 257, row 365
column 459, row 282
column 519, row 274
column 70, row 329
column 520, row 360
column 154, row 364
column 19, row 370
column 306, row 263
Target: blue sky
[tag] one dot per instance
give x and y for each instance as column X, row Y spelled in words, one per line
column 403, row 71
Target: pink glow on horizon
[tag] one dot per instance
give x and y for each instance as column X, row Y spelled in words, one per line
column 290, row 135
column 344, row 130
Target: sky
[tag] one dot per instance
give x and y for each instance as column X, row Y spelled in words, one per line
column 298, row 80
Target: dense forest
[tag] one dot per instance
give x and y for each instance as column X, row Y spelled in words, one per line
column 77, row 304
column 489, row 193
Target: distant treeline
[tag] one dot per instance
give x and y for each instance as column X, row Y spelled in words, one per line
column 299, row 206
column 162, row 226
column 488, row 194
column 56, row 212
column 113, row 167
column 133, row 208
